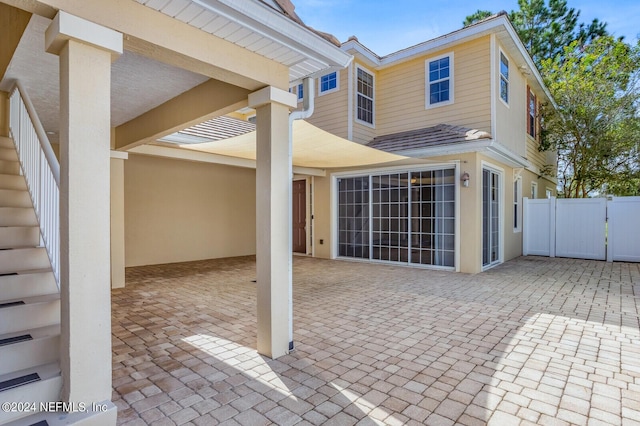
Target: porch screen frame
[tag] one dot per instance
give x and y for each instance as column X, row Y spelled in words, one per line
column 453, row 182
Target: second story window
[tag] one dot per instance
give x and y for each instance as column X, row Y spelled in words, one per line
column 504, row 78
column 365, row 96
column 532, row 119
column 300, row 92
column 440, row 81
column 329, row 82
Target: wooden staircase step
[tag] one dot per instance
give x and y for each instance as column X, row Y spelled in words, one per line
column 29, row 348
column 6, row 142
column 9, row 167
column 46, row 388
column 15, row 198
column 13, row 182
column 17, row 216
column 33, row 312
column 8, row 154
column 23, row 259
column 12, row 237
column 20, row 286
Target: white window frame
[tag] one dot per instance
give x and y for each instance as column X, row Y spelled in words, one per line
column 534, row 190
column 333, row 205
column 335, row 89
column 549, row 192
column 501, row 77
column 427, row 100
column 299, row 92
column 485, row 165
column 517, row 204
column 534, row 118
column 357, row 93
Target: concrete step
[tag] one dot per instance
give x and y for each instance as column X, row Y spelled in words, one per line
column 15, row 198
column 29, row 313
column 15, row 287
column 9, row 167
column 23, row 260
column 18, row 216
column 29, row 348
column 46, row 389
column 8, row 154
column 19, row 236
column 13, row 182
column 6, row 142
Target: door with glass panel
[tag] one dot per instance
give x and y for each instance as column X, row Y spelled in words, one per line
column 490, row 217
column 406, row 217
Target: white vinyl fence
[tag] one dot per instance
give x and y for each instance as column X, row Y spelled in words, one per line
column 586, row 228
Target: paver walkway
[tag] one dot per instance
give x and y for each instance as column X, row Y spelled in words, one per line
column 533, row 341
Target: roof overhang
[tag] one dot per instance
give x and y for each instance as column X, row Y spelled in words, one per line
column 499, row 24
column 259, row 28
column 489, row 147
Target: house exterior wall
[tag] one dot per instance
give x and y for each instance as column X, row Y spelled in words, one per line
column 469, row 216
column 331, row 108
column 402, row 92
column 511, row 117
column 363, row 133
column 178, row 211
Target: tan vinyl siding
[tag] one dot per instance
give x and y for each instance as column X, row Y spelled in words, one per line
column 330, row 111
column 402, row 92
column 511, row 118
column 364, row 133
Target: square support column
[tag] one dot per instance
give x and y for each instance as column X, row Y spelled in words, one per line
column 86, row 51
column 117, row 219
column 273, row 223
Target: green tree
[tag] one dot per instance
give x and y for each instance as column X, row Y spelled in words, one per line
column 595, row 124
column 479, row 15
column 545, row 29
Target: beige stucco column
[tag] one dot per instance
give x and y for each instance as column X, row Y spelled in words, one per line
column 117, row 218
column 273, row 227
column 86, row 51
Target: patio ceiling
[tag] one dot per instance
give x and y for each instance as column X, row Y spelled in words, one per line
column 141, row 83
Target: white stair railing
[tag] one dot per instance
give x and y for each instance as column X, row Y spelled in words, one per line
column 40, row 168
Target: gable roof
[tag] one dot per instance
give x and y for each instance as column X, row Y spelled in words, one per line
column 441, row 134
column 498, row 24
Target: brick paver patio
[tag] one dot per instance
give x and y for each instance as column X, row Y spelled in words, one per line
column 533, row 341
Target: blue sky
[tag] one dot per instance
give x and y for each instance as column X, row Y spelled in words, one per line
column 386, row 26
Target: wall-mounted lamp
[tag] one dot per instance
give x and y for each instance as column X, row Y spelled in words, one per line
column 465, row 179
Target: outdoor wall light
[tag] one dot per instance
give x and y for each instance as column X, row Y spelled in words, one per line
column 465, row 179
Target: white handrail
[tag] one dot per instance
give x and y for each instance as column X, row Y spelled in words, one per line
column 40, row 168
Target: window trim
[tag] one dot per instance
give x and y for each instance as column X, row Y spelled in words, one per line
column 534, row 190
column 427, row 82
column 373, row 99
column 334, row 89
column 533, row 119
column 517, row 204
column 501, row 77
column 299, row 92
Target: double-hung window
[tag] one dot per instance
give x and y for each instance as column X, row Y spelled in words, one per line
column 365, row 96
column 329, row 82
column 532, row 119
column 440, row 81
column 504, row 78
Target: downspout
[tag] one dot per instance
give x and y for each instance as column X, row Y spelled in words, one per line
column 308, row 103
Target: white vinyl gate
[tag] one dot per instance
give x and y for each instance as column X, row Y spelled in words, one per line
column 585, row 228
